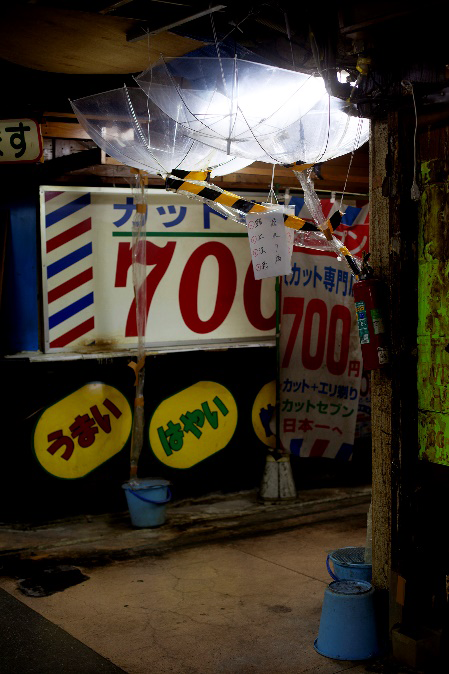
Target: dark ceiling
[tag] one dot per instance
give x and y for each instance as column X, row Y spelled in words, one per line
column 50, row 49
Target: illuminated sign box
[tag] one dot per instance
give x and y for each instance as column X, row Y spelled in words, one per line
column 200, row 282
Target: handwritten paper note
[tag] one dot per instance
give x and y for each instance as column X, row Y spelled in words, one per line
column 269, row 244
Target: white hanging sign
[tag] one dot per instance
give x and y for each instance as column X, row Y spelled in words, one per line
column 268, row 244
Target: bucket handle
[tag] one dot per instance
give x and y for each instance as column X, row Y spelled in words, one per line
column 332, row 575
column 148, row 500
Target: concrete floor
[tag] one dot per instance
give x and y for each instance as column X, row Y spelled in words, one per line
column 237, row 607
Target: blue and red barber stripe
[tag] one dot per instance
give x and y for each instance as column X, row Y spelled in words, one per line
column 318, row 449
column 70, row 295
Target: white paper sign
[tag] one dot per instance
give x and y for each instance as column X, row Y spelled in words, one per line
column 268, row 244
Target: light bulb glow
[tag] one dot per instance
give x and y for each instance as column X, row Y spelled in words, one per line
column 252, row 110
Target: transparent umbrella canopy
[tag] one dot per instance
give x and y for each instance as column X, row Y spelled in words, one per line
column 252, row 110
column 131, row 128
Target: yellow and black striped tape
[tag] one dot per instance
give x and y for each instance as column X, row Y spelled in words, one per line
column 299, row 166
column 191, row 175
column 211, row 193
column 233, row 201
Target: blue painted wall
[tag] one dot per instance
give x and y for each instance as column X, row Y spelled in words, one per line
column 20, row 311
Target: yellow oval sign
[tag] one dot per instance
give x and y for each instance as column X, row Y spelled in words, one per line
column 83, row 430
column 262, row 413
column 193, row 424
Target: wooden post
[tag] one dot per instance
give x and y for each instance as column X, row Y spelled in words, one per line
column 381, row 385
column 394, row 228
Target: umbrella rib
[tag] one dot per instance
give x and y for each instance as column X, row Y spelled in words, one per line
column 263, row 121
column 206, row 126
column 328, row 130
column 256, row 139
column 185, row 156
column 182, row 99
column 139, row 130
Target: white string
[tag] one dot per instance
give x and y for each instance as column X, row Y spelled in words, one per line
column 414, row 192
column 272, row 193
column 356, row 145
column 218, row 51
column 289, row 35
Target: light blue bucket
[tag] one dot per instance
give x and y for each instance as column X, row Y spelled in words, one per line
column 348, row 629
column 147, row 500
column 349, row 564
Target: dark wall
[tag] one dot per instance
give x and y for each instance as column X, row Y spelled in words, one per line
column 30, row 493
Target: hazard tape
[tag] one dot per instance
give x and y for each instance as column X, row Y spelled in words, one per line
column 180, row 183
column 191, row 175
column 299, row 166
column 230, row 200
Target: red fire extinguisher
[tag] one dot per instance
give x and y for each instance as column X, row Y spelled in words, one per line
column 369, row 298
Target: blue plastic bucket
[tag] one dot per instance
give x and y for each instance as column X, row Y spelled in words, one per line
column 349, row 564
column 147, row 500
column 348, row 629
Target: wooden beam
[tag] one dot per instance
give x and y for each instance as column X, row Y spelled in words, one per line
column 63, row 129
column 256, row 176
column 140, row 32
column 70, row 162
column 114, row 7
column 69, row 41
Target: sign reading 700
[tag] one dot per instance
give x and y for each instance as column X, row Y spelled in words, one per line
column 159, row 257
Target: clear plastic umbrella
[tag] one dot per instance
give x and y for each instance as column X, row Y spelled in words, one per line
column 132, row 129
column 253, row 110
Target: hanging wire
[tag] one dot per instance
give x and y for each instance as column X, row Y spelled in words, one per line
column 148, row 45
column 356, row 144
column 317, row 161
column 217, row 47
column 237, row 26
column 232, row 116
column 272, row 193
column 289, row 35
column 414, row 192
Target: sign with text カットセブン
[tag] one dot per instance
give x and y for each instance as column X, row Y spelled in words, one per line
column 193, row 424
column 82, row 431
column 321, row 362
column 200, row 284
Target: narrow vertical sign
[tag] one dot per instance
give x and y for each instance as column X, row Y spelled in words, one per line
column 268, row 244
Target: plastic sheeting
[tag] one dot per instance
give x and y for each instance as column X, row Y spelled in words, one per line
column 313, row 203
column 139, row 272
column 129, row 127
column 252, row 110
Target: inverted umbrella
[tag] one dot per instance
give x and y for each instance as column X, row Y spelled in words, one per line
column 132, row 128
column 129, row 127
column 253, row 110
